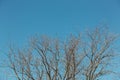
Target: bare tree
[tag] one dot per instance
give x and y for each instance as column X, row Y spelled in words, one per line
column 25, row 65
column 72, row 59
column 99, row 52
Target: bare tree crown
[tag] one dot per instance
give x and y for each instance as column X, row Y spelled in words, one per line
column 72, row 59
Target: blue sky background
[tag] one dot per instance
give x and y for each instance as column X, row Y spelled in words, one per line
column 19, row 19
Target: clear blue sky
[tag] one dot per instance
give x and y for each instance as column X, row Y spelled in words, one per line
column 19, row 19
